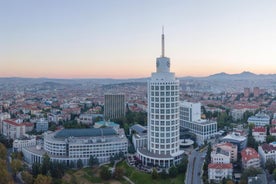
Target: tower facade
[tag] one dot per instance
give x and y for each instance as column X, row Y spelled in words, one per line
column 163, row 116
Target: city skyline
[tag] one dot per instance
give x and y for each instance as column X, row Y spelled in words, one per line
column 90, row 39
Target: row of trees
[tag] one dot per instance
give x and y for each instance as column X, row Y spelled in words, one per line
column 5, row 177
column 132, row 118
column 206, row 163
column 173, row 171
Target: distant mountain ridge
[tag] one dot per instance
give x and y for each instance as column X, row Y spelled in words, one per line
column 242, row 75
column 222, row 75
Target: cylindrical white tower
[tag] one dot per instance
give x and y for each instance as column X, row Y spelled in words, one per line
column 163, row 108
column 163, row 117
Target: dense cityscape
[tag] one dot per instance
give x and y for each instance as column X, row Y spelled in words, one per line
column 156, row 130
column 137, row 92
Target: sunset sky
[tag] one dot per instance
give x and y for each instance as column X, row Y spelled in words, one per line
column 122, row 38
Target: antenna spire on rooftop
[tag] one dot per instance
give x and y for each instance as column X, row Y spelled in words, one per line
column 163, row 42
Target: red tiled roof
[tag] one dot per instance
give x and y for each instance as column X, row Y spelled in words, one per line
column 220, row 166
column 226, row 144
column 249, row 153
column 12, row 122
column 272, row 130
column 268, row 147
column 259, row 129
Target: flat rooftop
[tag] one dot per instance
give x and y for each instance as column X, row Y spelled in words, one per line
column 87, row 132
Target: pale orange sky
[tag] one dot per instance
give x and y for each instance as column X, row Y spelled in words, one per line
column 92, row 39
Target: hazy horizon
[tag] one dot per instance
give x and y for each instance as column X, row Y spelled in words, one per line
column 113, row 78
column 121, row 39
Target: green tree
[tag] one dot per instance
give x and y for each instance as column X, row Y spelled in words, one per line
column 79, row 164
column 57, row 169
column 274, row 174
column 183, row 165
column 36, row 169
column 251, row 171
column 105, row 173
column 173, row 172
column 45, row 167
column 118, row 173
column 93, row 161
column 27, row 177
column 154, row 174
column 163, row 174
column 5, row 177
column 270, row 165
column 3, row 151
column 72, row 164
column 270, row 139
column 16, row 165
column 42, row 179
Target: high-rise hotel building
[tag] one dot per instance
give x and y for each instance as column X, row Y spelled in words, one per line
column 163, row 117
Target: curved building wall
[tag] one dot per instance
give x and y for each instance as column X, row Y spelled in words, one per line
column 163, row 118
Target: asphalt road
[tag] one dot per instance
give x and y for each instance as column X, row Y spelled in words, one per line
column 196, row 161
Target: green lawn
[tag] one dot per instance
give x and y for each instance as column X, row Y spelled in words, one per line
column 90, row 176
column 139, row 177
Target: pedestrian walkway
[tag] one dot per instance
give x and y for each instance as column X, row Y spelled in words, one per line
column 126, row 178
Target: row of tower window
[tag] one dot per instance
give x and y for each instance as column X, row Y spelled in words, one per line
column 163, row 116
column 162, row 111
column 167, row 87
column 163, row 93
column 163, row 146
column 162, row 135
column 162, row 123
column 162, row 105
column 162, row 99
column 162, row 129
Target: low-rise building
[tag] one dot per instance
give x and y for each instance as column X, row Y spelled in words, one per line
column 259, row 134
column 190, row 118
column 229, row 147
column 86, row 119
column 139, row 136
column 42, row 125
column 216, row 172
column 250, row 158
column 273, row 122
column 272, row 131
column 70, row 145
column 220, row 156
column 203, row 129
column 18, row 144
column 13, row 128
column 237, row 139
column 260, row 119
column 3, row 116
column 267, row 151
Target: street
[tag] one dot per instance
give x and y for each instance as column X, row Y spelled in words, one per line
column 193, row 175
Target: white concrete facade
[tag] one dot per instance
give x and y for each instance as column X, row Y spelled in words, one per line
column 18, row 144
column 163, row 117
column 259, row 119
column 216, row 172
column 13, row 129
column 189, row 112
column 190, row 118
column 67, row 149
column 267, row 151
column 220, row 157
